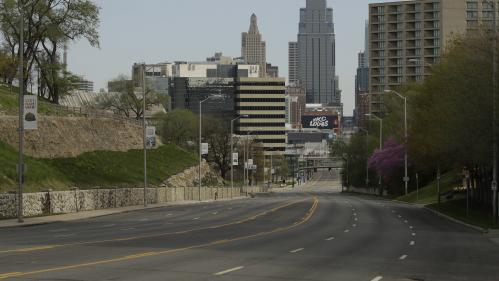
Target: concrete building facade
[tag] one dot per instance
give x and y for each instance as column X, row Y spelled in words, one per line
column 263, row 101
column 407, row 37
column 316, row 53
column 295, row 106
column 253, row 48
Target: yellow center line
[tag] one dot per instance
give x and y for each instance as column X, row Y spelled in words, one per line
column 48, row 247
column 306, row 218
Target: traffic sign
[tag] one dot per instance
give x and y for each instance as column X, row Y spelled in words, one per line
column 494, row 186
column 406, row 179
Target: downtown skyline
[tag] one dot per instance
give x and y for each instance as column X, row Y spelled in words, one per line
column 209, row 32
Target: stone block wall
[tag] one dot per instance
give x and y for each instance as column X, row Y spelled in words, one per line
column 63, row 202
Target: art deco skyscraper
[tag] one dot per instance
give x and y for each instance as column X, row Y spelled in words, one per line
column 253, row 49
column 316, row 53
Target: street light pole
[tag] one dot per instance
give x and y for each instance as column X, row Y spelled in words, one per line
column 494, row 118
column 144, row 130
column 232, row 153
column 21, row 115
column 406, row 175
column 200, row 141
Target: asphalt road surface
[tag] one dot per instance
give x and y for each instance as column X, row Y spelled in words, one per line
column 311, row 233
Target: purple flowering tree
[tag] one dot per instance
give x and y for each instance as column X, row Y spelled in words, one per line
column 387, row 161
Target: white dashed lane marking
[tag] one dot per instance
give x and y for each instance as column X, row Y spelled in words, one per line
column 330, row 238
column 378, row 278
column 229, row 270
column 297, row 250
column 412, row 243
column 403, row 257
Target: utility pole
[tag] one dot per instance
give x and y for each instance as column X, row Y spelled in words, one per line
column 21, row 115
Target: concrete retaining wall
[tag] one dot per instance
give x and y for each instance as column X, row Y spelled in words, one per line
column 63, row 202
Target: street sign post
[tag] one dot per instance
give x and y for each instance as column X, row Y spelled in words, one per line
column 235, row 159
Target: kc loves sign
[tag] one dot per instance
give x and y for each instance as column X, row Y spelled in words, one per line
column 319, row 122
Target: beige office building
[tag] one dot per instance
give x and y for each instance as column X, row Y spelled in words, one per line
column 263, row 101
column 253, row 48
column 407, row 37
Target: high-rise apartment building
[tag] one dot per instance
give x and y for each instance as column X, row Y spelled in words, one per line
column 253, row 48
column 407, row 37
column 263, row 101
column 316, row 53
column 293, row 63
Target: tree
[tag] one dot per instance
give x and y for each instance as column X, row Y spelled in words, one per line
column 49, row 25
column 8, row 67
column 126, row 101
column 219, row 138
column 388, row 161
column 178, row 127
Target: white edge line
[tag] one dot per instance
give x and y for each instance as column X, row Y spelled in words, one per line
column 229, row 270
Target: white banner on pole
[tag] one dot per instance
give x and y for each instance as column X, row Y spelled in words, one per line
column 250, row 162
column 204, row 148
column 30, row 118
column 235, row 159
column 150, row 137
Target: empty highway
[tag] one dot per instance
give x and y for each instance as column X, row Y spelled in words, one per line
column 310, row 233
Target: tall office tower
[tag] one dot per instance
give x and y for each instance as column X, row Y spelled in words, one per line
column 293, row 63
column 253, row 49
column 263, row 101
column 408, row 37
column 316, row 53
column 361, row 90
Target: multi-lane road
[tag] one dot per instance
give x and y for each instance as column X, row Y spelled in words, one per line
column 312, row 233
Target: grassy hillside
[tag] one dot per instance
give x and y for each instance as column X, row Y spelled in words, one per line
column 9, row 103
column 428, row 194
column 101, row 168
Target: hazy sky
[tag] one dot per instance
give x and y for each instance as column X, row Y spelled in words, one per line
column 169, row 30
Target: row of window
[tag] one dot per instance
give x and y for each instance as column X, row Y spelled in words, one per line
column 264, row 133
column 260, row 108
column 262, row 124
column 260, row 100
column 261, row 92
column 486, row 5
column 260, row 84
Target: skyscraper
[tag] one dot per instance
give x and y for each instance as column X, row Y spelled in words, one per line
column 293, row 63
column 316, row 53
column 253, row 49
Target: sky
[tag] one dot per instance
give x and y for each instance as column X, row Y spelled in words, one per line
column 155, row 31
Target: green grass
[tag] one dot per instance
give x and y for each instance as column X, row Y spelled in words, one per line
column 457, row 210
column 428, row 194
column 94, row 169
column 9, row 103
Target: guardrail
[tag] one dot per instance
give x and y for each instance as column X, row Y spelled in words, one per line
column 96, row 113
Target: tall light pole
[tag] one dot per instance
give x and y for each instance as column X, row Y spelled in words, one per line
column 367, row 151
column 21, row 115
column 144, row 130
column 406, row 176
column 380, row 140
column 200, row 141
column 232, row 152
column 494, row 117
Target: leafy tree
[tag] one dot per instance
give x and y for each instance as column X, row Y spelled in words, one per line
column 126, row 101
column 388, row 161
column 49, row 25
column 178, row 127
column 8, row 67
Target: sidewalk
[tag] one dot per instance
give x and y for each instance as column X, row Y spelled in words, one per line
column 98, row 213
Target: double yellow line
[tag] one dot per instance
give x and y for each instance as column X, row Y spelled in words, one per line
column 306, row 218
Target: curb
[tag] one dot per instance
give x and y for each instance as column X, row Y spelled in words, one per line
column 474, row 227
column 181, row 203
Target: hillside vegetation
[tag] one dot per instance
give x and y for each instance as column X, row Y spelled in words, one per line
column 93, row 169
column 9, row 103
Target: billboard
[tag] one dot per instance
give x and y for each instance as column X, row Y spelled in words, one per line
column 322, row 122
